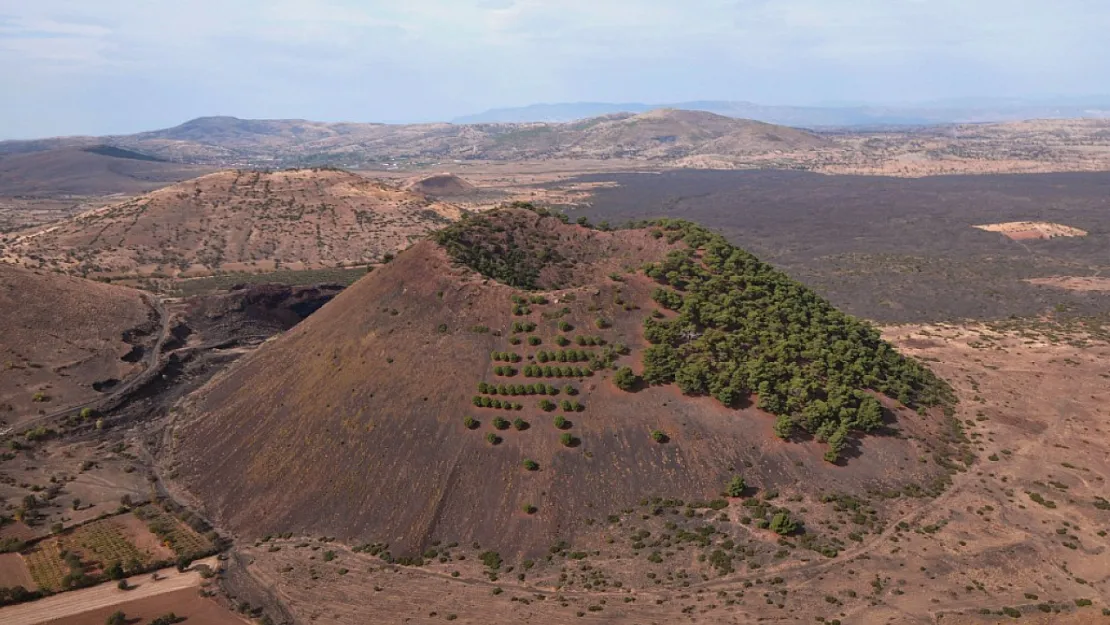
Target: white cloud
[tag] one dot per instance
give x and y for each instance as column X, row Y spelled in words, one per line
column 366, row 59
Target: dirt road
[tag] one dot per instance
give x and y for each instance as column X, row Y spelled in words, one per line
column 153, row 366
column 103, row 596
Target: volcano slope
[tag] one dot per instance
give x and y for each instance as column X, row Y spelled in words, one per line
column 471, row 391
column 65, row 340
column 245, row 221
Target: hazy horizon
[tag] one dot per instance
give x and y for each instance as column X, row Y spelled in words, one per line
column 81, row 67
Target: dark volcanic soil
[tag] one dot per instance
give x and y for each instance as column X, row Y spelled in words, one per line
column 892, row 249
column 212, row 331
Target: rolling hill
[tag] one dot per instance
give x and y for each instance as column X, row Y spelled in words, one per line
column 518, row 378
column 90, row 170
column 67, row 340
column 653, row 135
column 246, row 221
column 441, row 185
column 959, row 111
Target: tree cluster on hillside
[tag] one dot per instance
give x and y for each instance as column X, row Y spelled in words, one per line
column 745, row 328
column 500, row 246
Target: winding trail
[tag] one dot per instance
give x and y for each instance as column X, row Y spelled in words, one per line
column 153, row 366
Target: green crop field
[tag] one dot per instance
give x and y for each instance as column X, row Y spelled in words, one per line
column 106, row 542
column 46, row 565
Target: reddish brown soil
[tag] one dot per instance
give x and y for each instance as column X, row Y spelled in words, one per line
column 13, row 572
column 61, row 335
column 1033, row 403
column 351, row 424
column 17, row 530
column 236, row 221
column 139, row 535
column 185, row 603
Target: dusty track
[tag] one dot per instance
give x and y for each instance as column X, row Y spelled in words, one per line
column 102, row 596
column 154, row 362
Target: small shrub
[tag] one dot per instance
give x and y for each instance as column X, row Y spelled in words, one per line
column 528, row 508
column 783, row 525
column 531, row 465
column 626, row 379
column 1041, row 500
column 561, row 422
column 520, row 424
column 471, row 423
column 567, row 439
column 659, row 436
column 737, row 486
column 534, row 340
column 500, row 424
column 492, row 438
column 491, row 559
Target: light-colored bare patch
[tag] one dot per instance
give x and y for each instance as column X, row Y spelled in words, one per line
column 70, row 604
column 1028, row 230
column 1073, row 283
column 139, row 535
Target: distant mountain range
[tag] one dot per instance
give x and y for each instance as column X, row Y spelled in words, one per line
column 941, row 112
column 663, row 135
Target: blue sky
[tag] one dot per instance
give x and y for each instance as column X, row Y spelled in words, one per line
column 113, row 66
